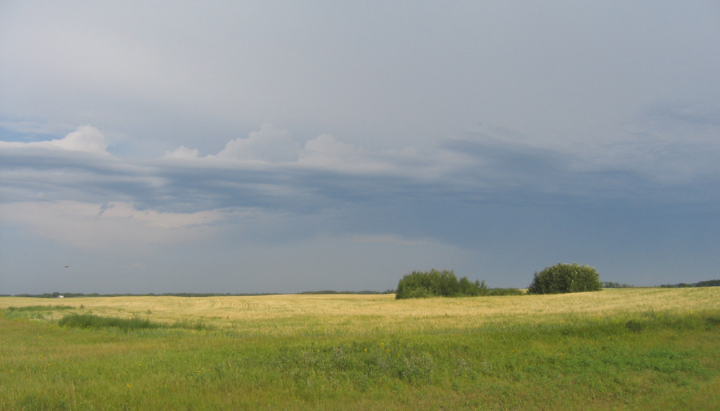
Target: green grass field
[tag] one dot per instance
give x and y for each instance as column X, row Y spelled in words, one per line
column 646, row 349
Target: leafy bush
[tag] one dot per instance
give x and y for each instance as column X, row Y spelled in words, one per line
column 436, row 283
column 565, row 278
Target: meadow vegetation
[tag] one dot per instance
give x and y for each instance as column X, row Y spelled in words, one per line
column 615, row 349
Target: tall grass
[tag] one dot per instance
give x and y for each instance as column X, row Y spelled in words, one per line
column 666, row 361
column 125, row 324
column 94, row 321
column 36, row 312
column 41, row 308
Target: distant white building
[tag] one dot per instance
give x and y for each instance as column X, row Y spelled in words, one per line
column 61, row 296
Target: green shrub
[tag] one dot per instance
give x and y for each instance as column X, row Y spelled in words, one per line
column 633, row 326
column 94, row 321
column 125, row 324
column 436, row 283
column 565, row 278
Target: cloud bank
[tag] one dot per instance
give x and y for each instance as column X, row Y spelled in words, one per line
column 269, row 173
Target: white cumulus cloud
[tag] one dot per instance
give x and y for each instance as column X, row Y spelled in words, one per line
column 87, row 139
column 325, row 150
column 182, row 152
column 269, row 145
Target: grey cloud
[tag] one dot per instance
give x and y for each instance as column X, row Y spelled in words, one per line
column 498, row 173
column 517, row 205
column 696, row 114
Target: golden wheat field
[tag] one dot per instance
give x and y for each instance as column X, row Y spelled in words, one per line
column 369, row 314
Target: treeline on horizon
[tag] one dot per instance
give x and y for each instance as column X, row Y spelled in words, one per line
column 480, row 286
column 709, row 283
column 368, row 292
column 610, row 284
column 77, row 295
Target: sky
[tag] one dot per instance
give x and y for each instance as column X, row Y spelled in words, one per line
column 288, row 146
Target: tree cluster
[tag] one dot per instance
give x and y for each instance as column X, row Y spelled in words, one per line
column 565, row 278
column 436, row 283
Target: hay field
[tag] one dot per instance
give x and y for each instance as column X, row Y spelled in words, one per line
column 372, row 314
column 644, row 349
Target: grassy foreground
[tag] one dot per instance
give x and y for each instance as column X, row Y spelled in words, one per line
column 615, row 349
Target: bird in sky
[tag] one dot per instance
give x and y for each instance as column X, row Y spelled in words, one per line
column 66, row 266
